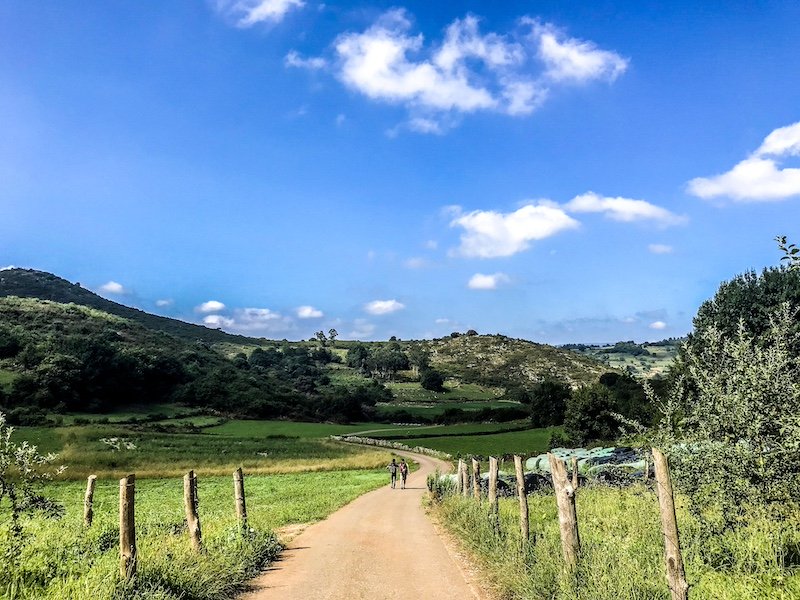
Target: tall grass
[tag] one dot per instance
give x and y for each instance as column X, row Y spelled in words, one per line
column 64, row 560
column 622, row 550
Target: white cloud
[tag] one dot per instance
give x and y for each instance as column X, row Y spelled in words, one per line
column 251, row 321
column 293, row 59
column 416, row 262
column 218, row 321
column 112, row 287
column 210, row 306
column 442, row 321
column 467, row 71
column 340, row 119
column 164, row 302
column 247, row 13
column 760, row 176
column 431, row 244
column 658, row 325
column 383, row 307
column 309, row 312
column 659, row 248
column 362, row 329
column 622, row 209
column 7, row 268
column 489, row 234
column 570, row 59
column 479, row 281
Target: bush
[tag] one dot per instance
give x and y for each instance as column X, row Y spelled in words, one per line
column 432, row 380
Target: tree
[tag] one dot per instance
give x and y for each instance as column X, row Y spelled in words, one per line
column 419, row 357
column 432, row 380
column 320, row 336
column 590, row 415
column 357, row 356
column 730, row 424
column 548, row 402
column 333, row 334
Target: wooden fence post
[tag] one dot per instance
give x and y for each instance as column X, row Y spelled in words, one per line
column 476, row 479
column 190, row 504
column 465, row 476
column 493, row 509
column 676, row 576
column 127, row 527
column 88, row 501
column 575, row 474
column 523, row 499
column 459, row 479
column 567, row 516
column 238, row 494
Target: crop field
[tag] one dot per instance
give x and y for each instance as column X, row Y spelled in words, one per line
column 115, row 450
column 527, row 442
column 62, row 559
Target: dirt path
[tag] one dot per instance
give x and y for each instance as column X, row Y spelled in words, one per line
column 380, row 546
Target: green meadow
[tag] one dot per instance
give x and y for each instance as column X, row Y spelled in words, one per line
column 62, row 559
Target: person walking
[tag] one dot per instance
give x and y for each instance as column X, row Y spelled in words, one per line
column 393, row 468
column 403, row 472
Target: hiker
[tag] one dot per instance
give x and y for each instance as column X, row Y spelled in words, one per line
column 393, row 466
column 403, row 472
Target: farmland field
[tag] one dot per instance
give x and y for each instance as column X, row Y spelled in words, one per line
column 527, row 442
column 114, row 450
column 65, row 560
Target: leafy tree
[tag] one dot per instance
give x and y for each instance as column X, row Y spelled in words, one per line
column 731, row 424
column 590, row 415
column 548, row 402
column 419, row 357
column 320, row 337
column 9, row 344
column 432, row 380
column 332, row 335
column 357, row 356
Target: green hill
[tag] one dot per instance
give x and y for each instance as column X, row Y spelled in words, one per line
column 66, row 349
column 29, row 283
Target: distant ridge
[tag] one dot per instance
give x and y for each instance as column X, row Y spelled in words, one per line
column 30, row 283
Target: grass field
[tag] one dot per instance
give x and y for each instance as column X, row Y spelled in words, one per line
column 240, row 428
column 432, row 409
column 528, row 442
column 64, row 560
column 414, row 392
column 7, row 378
column 155, row 454
column 622, row 550
column 425, row 431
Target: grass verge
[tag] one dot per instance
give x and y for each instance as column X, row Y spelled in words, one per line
column 622, row 550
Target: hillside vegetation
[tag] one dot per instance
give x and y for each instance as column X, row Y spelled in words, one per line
column 65, row 350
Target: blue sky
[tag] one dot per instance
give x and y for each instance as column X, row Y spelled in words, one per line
column 553, row 170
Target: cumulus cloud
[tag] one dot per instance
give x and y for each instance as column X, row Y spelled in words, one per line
column 309, row 312
column 362, row 329
column 112, row 287
column 251, row 321
column 622, row 209
column 659, row 248
column 293, row 59
column 761, row 176
column 569, row 59
column 383, row 307
column 467, row 70
column 479, row 281
column 210, row 306
column 658, row 325
column 489, row 234
column 163, row 303
column 246, row 13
